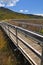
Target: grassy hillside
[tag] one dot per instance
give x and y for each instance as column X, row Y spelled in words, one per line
column 8, row 14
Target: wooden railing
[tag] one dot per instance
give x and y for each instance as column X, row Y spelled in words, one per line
column 18, row 33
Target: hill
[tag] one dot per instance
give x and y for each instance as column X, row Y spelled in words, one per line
column 9, row 14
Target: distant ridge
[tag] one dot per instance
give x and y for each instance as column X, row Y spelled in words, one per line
column 9, row 14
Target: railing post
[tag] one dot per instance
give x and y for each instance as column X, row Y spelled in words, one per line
column 16, row 37
column 42, row 55
column 8, row 30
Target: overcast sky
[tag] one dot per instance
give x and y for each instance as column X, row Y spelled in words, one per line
column 24, row 6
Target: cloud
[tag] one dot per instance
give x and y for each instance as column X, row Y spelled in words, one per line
column 26, row 11
column 8, row 2
column 39, row 14
column 23, row 11
column 2, row 5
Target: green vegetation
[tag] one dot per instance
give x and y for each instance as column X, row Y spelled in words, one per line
column 8, row 14
column 41, row 31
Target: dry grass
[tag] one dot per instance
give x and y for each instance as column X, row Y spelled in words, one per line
column 2, row 40
column 29, row 27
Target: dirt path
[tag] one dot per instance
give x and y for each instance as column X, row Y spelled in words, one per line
column 6, row 55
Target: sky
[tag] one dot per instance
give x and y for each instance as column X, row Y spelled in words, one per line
column 24, row 6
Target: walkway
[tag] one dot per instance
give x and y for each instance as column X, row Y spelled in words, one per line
column 6, row 55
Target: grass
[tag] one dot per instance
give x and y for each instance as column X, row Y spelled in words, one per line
column 29, row 27
column 5, row 52
column 9, row 14
column 41, row 31
column 6, row 14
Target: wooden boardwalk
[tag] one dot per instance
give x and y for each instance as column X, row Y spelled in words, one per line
column 25, row 44
column 26, row 50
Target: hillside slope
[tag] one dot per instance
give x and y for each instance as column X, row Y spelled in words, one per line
column 8, row 14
